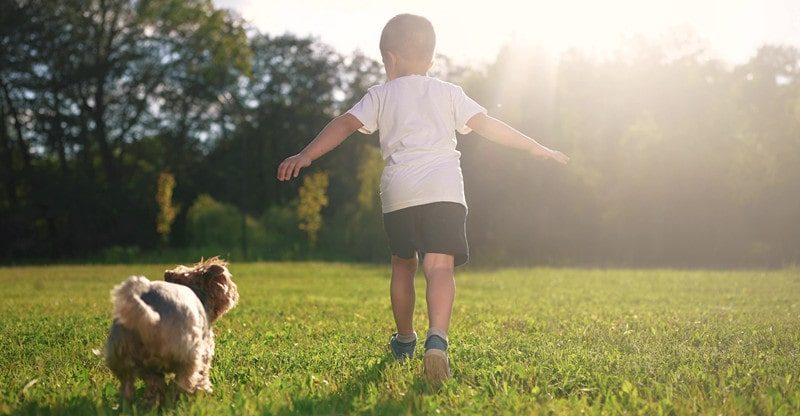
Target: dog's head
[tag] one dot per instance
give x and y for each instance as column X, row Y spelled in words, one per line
column 211, row 281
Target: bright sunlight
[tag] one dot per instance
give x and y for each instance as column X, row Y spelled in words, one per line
column 474, row 32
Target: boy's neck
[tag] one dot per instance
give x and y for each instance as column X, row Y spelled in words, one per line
column 407, row 73
column 400, row 67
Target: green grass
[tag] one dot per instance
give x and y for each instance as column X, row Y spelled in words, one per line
column 310, row 338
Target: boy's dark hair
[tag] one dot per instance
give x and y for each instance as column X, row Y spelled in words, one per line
column 409, row 36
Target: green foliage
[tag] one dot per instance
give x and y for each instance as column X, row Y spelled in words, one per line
column 310, row 338
column 312, row 199
column 166, row 211
column 359, row 222
column 677, row 159
column 283, row 238
column 213, row 224
column 216, row 227
column 100, row 80
column 370, row 168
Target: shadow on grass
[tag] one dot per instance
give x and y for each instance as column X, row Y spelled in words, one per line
column 342, row 402
column 406, row 404
column 86, row 405
column 79, row 405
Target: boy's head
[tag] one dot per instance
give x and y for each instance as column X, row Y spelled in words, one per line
column 409, row 38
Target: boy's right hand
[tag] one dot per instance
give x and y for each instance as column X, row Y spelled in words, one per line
column 290, row 167
column 558, row 156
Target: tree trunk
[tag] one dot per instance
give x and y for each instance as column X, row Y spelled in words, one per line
column 57, row 134
column 101, row 137
column 102, row 65
column 7, row 160
column 23, row 147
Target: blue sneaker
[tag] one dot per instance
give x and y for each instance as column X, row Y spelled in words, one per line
column 402, row 350
column 436, row 364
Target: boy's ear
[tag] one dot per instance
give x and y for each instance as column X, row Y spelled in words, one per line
column 389, row 59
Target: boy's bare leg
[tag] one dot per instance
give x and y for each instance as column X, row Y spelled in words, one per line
column 402, row 293
column 441, row 290
column 440, row 294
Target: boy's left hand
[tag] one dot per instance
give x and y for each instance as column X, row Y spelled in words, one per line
column 545, row 153
column 290, row 167
column 558, row 157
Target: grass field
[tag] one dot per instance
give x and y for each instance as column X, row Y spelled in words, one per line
column 311, row 338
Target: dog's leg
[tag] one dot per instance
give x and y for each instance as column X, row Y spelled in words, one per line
column 204, row 381
column 126, row 389
column 154, row 387
column 186, row 377
column 194, row 374
column 186, row 382
column 204, row 373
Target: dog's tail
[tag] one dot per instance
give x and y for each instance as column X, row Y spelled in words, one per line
column 129, row 309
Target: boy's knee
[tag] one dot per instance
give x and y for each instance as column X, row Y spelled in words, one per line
column 405, row 264
column 436, row 264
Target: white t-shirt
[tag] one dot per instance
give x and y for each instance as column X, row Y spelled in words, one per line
column 417, row 117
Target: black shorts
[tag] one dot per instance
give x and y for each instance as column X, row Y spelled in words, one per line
column 439, row 227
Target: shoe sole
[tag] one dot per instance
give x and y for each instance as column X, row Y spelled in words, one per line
column 436, row 366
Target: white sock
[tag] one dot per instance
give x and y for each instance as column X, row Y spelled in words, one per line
column 437, row 331
column 405, row 338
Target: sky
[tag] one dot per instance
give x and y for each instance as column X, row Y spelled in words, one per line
column 474, row 32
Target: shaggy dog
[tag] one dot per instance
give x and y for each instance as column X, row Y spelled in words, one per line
column 164, row 328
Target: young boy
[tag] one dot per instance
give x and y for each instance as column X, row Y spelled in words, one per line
column 422, row 189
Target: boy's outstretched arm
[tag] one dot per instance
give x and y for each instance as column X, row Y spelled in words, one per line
column 499, row 132
column 331, row 136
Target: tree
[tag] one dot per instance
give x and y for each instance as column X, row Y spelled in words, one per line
column 84, row 85
column 312, row 199
column 166, row 211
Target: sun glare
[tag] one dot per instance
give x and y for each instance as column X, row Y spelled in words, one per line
column 593, row 27
column 474, row 32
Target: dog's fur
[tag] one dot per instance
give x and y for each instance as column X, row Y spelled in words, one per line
column 164, row 328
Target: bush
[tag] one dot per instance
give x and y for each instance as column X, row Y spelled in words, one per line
column 213, row 224
column 217, row 227
column 283, row 239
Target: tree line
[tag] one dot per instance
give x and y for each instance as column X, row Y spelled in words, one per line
column 136, row 127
